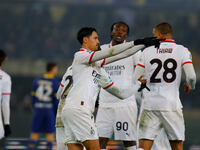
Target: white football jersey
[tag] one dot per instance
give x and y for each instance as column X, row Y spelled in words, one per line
column 63, row 90
column 163, row 68
column 121, row 72
column 5, row 89
column 85, row 81
column 5, row 85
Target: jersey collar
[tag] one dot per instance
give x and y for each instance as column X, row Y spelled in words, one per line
column 83, row 49
column 169, row 41
column 110, row 44
column 49, row 76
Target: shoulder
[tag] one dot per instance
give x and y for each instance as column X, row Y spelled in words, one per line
column 82, row 53
column 183, row 50
column 69, row 70
column 5, row 76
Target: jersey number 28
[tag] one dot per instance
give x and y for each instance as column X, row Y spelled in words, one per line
column 167, row 70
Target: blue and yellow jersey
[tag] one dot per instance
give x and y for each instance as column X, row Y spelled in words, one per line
column 44, row 92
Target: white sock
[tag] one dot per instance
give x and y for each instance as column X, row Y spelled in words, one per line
column 130, row 148
column 140, row 149
column 103, row 149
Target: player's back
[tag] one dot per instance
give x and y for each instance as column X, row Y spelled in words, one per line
column 163, row 69
column 44, row 92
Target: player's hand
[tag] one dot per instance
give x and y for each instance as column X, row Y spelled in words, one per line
column 143, row 84
column 149, row 41
column 7, row 130
column 187, row 88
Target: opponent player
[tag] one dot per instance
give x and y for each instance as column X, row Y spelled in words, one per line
column 45, row 106
column 77, row 112
column 115, row 116
column 5, row 91
column 162, row 69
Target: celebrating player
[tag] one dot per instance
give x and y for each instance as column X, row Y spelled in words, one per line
column 5, row 91
column 162, row 69
column 115, row 116
column 77, row 112
column 62, row 92
column 45, row 106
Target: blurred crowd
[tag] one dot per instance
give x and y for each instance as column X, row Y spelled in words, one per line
column 48, row 30
column 41, row 30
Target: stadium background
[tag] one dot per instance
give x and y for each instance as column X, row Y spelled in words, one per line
column 36, row 31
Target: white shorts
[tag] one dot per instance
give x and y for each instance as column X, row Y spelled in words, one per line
column 118, row 120
column 151, row 123
column 161, row 142
column 60, row 139
column 79, row 125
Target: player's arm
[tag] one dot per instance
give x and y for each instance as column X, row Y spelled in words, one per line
column 6, row 105
column 122, row 55
column 190, row 77
column 65, row 84
column 117, row 49
column 189, row 71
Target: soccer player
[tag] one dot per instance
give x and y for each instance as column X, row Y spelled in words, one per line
column 5, row 91
column 114, row 116
column 62, row 92
column 77, row 114
column 45, row 106
column 162, row 108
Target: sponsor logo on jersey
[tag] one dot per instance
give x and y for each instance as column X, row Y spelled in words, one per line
column 115, row 70
column 96, row 76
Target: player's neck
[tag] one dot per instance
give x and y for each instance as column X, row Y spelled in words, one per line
column 49, row 75
column 85, row 46
column 167, row 37
column 116, row 43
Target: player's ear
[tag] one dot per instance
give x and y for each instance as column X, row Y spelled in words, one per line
column 85, row 39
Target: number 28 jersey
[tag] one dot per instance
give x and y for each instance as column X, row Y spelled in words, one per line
column 163, row 69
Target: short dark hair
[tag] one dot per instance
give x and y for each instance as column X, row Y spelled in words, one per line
column 164, row 28
column 2, row 56
column 119, row 22
column 50, row 66
column 84, row 32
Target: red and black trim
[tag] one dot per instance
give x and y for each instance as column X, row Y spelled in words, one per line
column 186, row 62
column 170, row 41
column 103, row 62
column 61, row 85
column 91, row 58
column 109, row 85
column 141, row 65
column 6, row 93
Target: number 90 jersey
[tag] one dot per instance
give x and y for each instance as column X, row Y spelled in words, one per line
column 163, row 68
column 44, row 92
